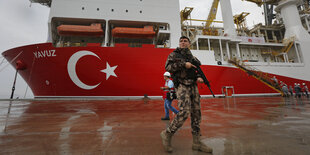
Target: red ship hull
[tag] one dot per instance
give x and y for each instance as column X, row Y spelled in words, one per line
column 137, row 72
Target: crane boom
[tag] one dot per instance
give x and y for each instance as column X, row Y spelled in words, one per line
column 212, row 13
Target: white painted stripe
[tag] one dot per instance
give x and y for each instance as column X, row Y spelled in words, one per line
column 138, row 97
column 93, row 97
column 242, row 95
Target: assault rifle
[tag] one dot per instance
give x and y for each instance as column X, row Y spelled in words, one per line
column 205, row 80
column 198, row 69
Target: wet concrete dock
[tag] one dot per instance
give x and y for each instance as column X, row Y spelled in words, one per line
column 231, row 126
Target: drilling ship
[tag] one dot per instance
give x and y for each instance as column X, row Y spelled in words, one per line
column 118, row 48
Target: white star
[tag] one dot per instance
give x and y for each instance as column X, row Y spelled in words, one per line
column 109, row 71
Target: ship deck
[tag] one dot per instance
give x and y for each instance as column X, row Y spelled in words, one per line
column 232, row 126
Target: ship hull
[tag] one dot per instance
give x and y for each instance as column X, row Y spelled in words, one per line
column 116, row 72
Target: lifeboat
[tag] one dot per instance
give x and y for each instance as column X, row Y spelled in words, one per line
column 128, row 32
column 94, row 30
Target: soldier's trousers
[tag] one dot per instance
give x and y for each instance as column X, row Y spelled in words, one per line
column 189, row 104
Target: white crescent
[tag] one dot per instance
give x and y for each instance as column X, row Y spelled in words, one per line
column 72, row 69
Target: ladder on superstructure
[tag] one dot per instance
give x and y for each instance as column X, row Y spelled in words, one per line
column 259, row 75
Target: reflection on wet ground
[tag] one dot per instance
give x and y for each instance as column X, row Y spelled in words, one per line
column 232, row 126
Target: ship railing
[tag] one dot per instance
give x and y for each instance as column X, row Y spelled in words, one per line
column 259, row 75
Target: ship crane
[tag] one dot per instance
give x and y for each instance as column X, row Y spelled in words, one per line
column 258, row 2
column 212, row 13
column 306, row 6
column 206, row 30
column 240, row 21
column 186, row 14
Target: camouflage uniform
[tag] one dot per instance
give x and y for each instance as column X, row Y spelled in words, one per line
column 187, row 90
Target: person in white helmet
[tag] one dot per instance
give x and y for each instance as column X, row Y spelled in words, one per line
column 291, row 90
column 168, row 88
column 275, row 80
column 297, row 90
column 305, row 89
column 284, row 89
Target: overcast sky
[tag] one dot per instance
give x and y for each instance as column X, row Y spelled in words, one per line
column 24, row 24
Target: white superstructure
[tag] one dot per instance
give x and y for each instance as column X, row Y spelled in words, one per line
column 162, row 14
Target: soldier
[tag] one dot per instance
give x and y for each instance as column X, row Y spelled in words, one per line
column 184, row 76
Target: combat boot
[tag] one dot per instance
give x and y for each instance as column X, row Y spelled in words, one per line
column 199, row 145
column 166, row 138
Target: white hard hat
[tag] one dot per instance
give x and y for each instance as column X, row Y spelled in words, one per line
column 167, row 74
column 303, row 83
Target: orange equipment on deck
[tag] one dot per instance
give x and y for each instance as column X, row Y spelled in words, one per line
column 128, row 32
column 94, row 30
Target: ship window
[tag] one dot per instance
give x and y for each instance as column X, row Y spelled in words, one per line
column 83, row 8
column 126, row 10
column 97, row 9
column 140, row 11
column 112, row 10
column 203, row 44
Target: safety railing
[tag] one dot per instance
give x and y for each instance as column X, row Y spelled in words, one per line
column 259, row 75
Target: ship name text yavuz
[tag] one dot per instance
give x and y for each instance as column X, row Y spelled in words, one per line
column 45, row 53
